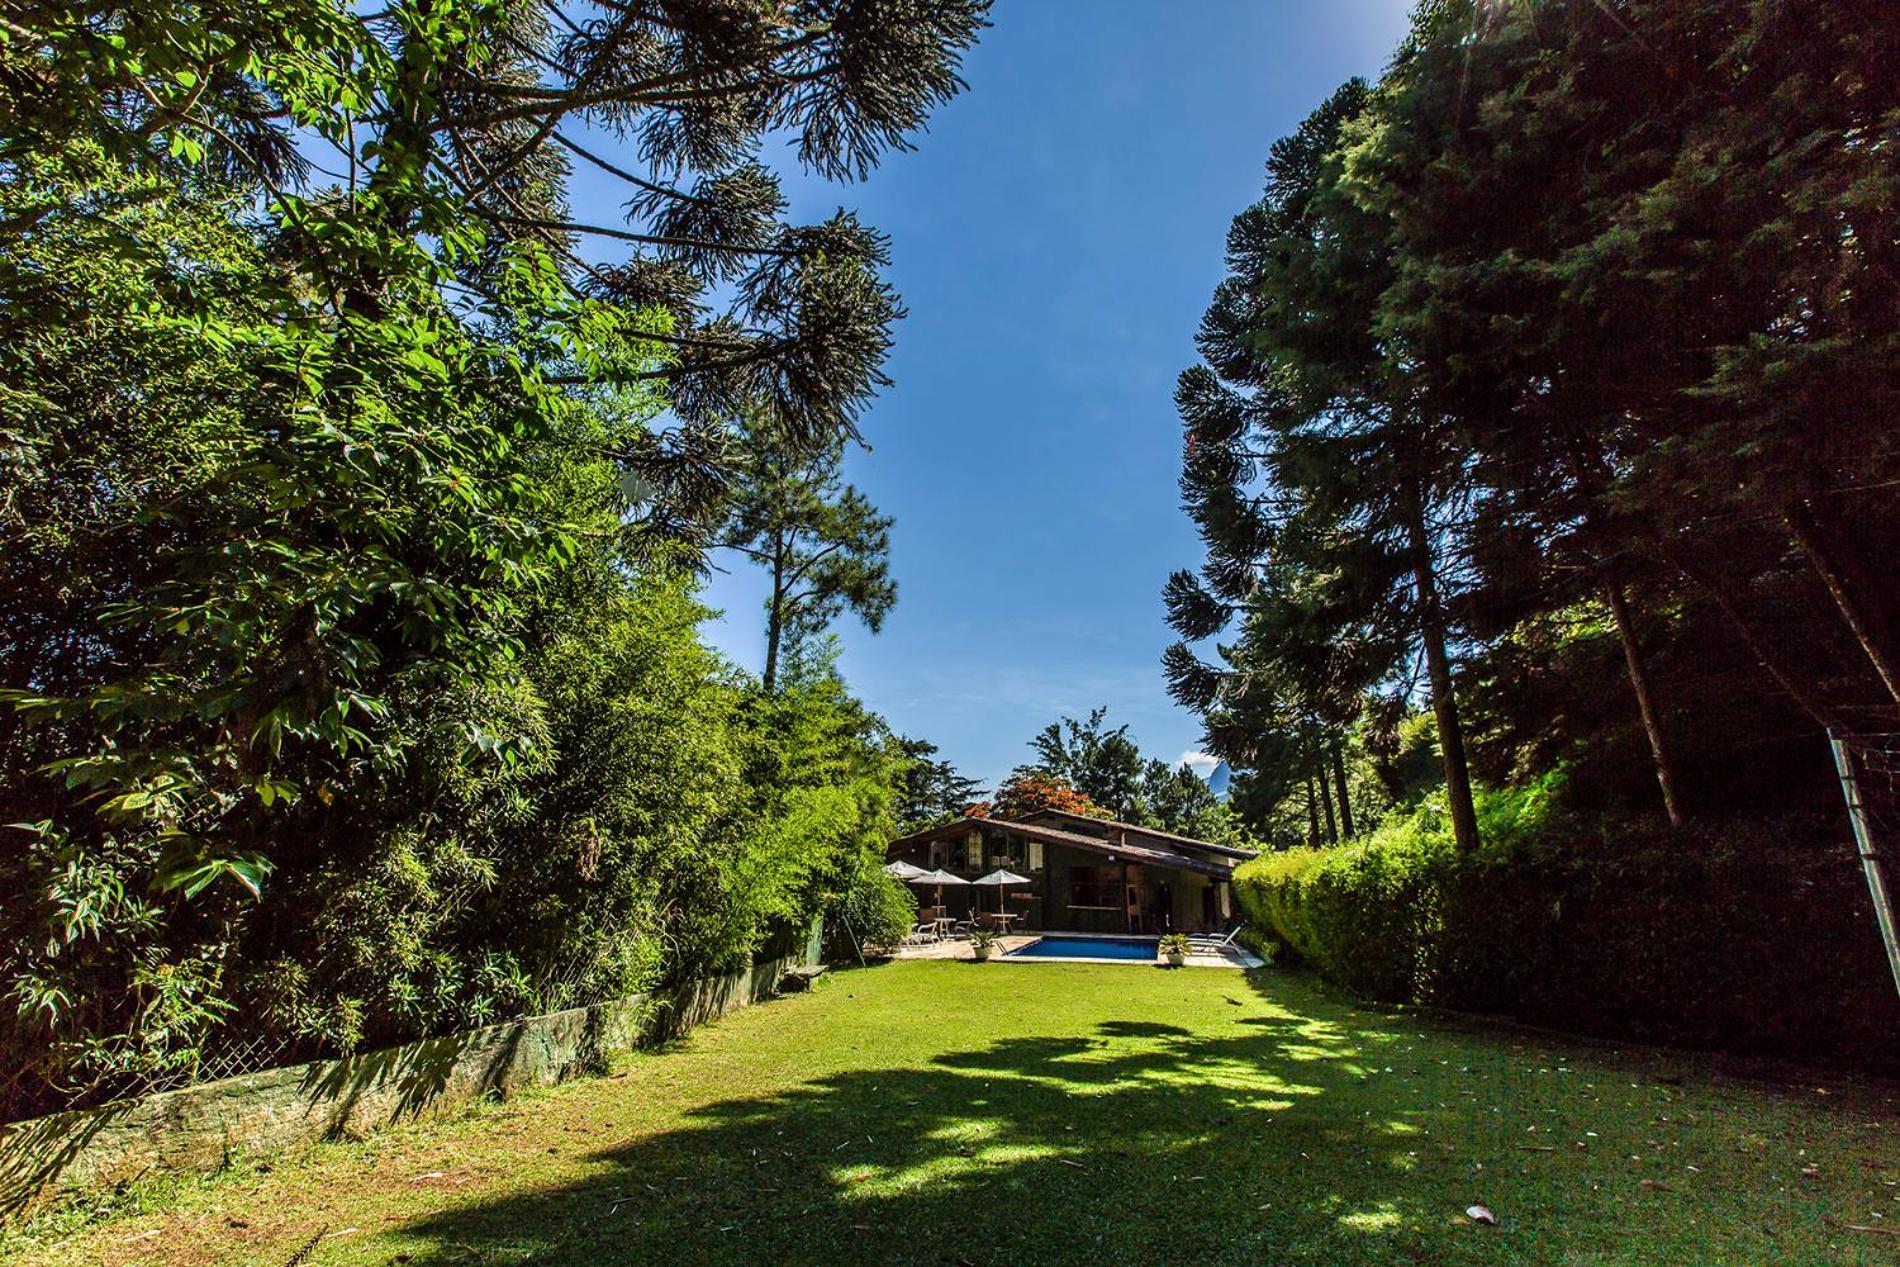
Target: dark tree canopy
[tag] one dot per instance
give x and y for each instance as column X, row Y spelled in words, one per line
column 1321, row 487
column 1550, row 359
column 930, row 791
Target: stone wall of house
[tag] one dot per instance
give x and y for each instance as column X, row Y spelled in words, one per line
column 201, row 1128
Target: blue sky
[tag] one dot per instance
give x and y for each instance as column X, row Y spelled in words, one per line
column 1056, row 236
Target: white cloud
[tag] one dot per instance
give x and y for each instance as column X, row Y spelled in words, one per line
column 1202, row 763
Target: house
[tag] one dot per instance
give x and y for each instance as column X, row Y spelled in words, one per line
column 1087, row 875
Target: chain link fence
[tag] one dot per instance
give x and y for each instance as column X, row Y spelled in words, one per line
column 228, row 1059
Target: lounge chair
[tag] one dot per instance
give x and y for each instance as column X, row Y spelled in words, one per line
column 1211, row 941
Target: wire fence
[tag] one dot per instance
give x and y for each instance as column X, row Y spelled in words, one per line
column 232, row 1053
column 230, row 1059
column 29, row 1093
column 1869, row 769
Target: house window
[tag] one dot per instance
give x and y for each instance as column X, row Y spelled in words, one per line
column 973, row 851
column 1035, row 855
column 939, row 854
column 1097, row 887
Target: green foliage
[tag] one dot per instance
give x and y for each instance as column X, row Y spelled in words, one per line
column 1100, row 762
column 1177, row 799
column 347, row 637
column 820, row 540
column 1324, row 493
column 879, row 908
column 1748, row 939
column 1602, row 290
column 1605, row 285
column 930, row 791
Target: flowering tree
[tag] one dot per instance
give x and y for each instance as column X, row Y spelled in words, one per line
column 1025, row 794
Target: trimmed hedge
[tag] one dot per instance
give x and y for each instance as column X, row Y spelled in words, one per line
column 1751, row 938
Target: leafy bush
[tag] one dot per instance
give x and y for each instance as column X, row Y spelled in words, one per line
column 548, row 792
column 1747, row 937
column 879, row 908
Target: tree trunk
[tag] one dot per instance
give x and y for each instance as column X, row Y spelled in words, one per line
column 1868, row 627
column 1312, row 814
column 1345, row 798
column 1592, row 476
column 1645, row 702
column 774, row 618
column 1326, row 800
column 1451, row 735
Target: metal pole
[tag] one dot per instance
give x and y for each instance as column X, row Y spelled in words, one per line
column 1869, row 857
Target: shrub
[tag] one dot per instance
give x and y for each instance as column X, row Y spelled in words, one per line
column 1747, row 937
column 879, row 909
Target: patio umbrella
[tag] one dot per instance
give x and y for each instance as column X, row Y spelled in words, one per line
column 1001, row 878
column 939, row 877
column 903, row 870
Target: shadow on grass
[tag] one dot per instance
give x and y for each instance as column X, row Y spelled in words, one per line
column 1244, row 1142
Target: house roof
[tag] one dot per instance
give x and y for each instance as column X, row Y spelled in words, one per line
column 1167, row 837
column 1152, row 853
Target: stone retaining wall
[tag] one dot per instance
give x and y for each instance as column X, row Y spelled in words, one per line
column 201, row 1128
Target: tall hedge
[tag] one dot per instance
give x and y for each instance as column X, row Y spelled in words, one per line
column 1753, row 938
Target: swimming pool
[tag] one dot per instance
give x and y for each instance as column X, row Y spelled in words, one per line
column 1137, row 949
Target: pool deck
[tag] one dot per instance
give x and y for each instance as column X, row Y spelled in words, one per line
column 959, row 948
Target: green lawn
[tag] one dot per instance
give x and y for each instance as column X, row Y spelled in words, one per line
column 938, row 1112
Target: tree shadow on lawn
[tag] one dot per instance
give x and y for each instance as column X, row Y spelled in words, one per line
column 1266, row 1137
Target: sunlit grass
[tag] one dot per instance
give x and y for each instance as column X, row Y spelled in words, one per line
column 938, row 1112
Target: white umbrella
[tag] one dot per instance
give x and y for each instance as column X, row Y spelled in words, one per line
column 1000, row 878
column 903, row 870
column 939, row 877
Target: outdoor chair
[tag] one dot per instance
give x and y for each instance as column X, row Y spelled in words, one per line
column 1213, row 941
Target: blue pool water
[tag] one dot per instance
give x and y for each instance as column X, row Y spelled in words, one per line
column 1087, row 948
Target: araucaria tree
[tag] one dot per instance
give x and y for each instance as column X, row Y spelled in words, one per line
column 354, row 483
column 823, row 545
column 1321, row 484
column 1554, row 357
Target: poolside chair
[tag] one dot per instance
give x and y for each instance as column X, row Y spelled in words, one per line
column 1204, row 942
column 923, row 935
